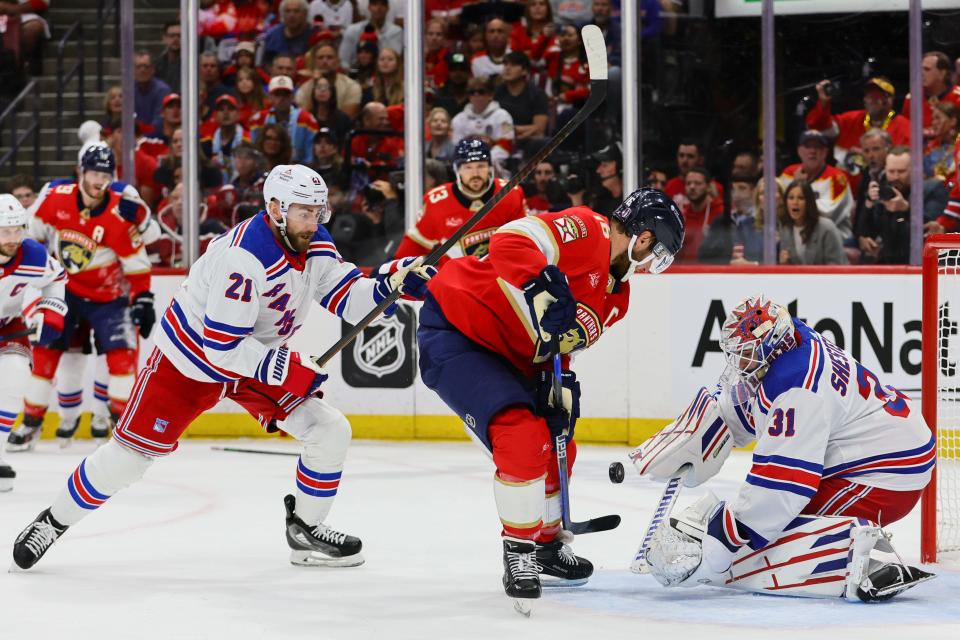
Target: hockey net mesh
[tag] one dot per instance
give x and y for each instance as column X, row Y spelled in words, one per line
column 948, row 399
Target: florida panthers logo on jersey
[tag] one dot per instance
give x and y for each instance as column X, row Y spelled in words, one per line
column 586, row 332
column 477, row 243
column 76, row 250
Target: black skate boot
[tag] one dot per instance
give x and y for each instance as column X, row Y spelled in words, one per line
column 26, row 436
column 7, row 474
column 521, row 575
column 101, row 426
column 319, row 545
column 559, row 567
column 66, row 431
column 34, row 541
column 889, row 580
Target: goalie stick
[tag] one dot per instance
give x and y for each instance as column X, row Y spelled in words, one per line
column 667, row 500
column 23, row 333
column 596, row 50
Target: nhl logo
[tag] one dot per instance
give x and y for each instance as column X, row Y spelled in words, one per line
column 379, row 350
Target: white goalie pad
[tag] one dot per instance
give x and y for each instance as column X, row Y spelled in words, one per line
column 697, row 440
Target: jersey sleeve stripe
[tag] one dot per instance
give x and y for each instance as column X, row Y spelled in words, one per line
column 799, row 489
column 185, row 339
column 536, row 230
column 223, row 327
column 336, row 297
column 814, row 367
column 744, row 420
column 915, row 460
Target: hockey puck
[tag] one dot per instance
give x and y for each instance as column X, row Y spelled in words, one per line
column 616, row 472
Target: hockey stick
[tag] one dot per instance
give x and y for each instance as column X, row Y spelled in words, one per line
column 23, row 333
column 264, row 452
column 596, row 50
column 593, row 525
column 670, row 494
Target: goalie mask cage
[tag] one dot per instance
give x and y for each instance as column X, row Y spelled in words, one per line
column 940, row 394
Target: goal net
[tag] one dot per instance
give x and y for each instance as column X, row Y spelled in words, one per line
column 941, row 392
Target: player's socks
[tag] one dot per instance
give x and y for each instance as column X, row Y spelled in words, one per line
column 559, row 567
column 36, row 539
column 318, row 545
column 889, row 580
column 521, row 574
column 317, row 485
column 26, row 436
column 69, row 402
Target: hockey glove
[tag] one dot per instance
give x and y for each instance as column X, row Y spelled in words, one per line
column 48, row 321
column 560, row 420
column 406, row 275
column 142, row 313
column 553, row 308
column 128, row 209
column 303, row 378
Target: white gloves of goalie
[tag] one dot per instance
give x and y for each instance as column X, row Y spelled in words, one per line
column 681, row 553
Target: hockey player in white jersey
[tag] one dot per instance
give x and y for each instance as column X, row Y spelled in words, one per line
column 24, row 264
column 838, row 455
column 224, row 335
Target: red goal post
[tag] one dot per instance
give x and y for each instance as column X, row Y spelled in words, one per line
column 940, row 393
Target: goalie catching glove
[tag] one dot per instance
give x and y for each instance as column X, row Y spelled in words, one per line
column 698, row 442
column 406, row 275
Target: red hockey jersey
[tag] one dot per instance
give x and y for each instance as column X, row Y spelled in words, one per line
column 483, row 299
column 445, row 209
column 101, row 252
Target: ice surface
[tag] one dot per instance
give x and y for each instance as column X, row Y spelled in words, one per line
column 196, row 550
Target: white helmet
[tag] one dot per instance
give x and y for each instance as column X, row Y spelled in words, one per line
column 296, row 184
column 12, row 213
column 89, row 131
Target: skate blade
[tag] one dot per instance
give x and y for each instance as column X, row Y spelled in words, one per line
column 6, row 487
column 548, row 582
column 893, row 591
column 20, row 448
column 311, row 559
column 64, row 442
column 15, row 568
column 523, row 606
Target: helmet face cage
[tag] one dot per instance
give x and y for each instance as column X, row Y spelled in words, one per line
column 296, row 184
column 754, row 334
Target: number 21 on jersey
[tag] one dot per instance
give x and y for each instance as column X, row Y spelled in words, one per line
column 233, row 291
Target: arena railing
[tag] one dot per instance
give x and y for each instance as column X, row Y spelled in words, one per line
column 65, row 77
column 18, row 137
column 107, row 10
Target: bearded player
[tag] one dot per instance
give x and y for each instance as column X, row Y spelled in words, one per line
column 225, row 336
column 447, row 207
column 91, row 225
column 23, row 263
column 487, row 328
column 838, row 455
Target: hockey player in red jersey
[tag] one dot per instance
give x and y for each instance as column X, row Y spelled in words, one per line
column 447, row 207
column 225, row 336
column 485, row 336
column 24, row 265
column 91, row 225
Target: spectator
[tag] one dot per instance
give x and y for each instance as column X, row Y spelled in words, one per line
column 144, row 165
column 875, row 144
column 327, row 160
column 484, row 118
column 219, row 139
column 496, row 45
column 834, row 197
column 292, row 35
column 435, row 173
column 610, row 27
column 435, row 53
column 299, row 123
column 380, row 153
column 210, row 79
column 168, row 63
column 759, row 206
column 567, row 69
column 21, row 187
column 171, row 117
column 366, row 68
column 33, row 30
column 148, row 92
column 250, row 175
column 388, row 34
column 846, row 128
column 735, row 238
column 113, row 106
column 806, row 236
column 746, row 164
column 453, row 95
column 244, row 57
column 167, row 251
column 319, row 98
column 700, row 208
column 547, row 193
column 883, row 228
column 473, row 41
column 170, row 168
column 249, row 93
column 325, row 62
column 525, row 102
column 938, row 158
column 573, row 11
column 368, row 237
column 534, row 32
column 609, row 193
column 655, row 179
column 937, row 87
column 440, row 146
column 283, row 64
column 689, row 155
column 335, row 15
column 388, row 81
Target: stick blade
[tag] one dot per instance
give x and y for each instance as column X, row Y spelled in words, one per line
column 596, row 50
column 595, row 525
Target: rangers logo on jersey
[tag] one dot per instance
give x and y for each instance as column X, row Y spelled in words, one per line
column 76, row 251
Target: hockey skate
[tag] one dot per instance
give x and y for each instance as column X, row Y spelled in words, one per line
column 890, row 579
column 559, row 567
column 7, row 474
column 521, row 573
column 100, row 427
column 66, row 431
column 26, row 436
column 319, row 545
column 36, row 539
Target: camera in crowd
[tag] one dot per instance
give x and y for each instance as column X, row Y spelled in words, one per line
column 832, row 89
column 886, row 191
column 376, row 198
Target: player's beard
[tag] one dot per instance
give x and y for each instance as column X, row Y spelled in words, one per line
column 9, row 249
column 619, row 266
column 299, row 241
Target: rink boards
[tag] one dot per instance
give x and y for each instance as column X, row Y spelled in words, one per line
column 636, row 378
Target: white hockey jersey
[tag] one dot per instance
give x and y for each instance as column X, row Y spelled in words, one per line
column 821, row 414
column 30, row 269
column 247, row 296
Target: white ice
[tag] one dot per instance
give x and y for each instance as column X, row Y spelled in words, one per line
column 196, row 550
